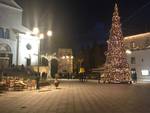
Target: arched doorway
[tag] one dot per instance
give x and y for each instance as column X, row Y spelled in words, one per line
column 5, row 55
column 54, row 67
column 44, row 61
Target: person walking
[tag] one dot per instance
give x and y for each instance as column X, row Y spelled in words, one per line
column 56, row 81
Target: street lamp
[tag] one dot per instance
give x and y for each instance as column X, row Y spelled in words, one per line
column 35, row 31
column 40, row 36
column 49, row 33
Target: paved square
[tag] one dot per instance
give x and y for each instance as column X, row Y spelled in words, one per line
column 76, row 97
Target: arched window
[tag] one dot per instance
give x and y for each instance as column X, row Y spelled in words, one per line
column 5, row 48
column 132, row 45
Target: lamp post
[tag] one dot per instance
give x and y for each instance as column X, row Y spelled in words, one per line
column 49, row 57
column 40, row 36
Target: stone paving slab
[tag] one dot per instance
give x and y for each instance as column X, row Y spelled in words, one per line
column 76, row 97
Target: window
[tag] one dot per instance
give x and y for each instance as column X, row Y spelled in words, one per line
column 28, row 61
column 1, row 32
column 132, row 60
column 28, row 46
column 142, row 60
column 145, row 72
column 132, row 45
column 7, row 35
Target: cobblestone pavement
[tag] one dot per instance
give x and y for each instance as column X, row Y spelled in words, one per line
column 76, row 97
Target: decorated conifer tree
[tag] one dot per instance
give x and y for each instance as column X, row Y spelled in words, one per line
column 116, row 68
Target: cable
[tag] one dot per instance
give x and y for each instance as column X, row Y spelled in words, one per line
column 136, row 12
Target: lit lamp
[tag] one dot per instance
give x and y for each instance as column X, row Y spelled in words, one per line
column 35, row 31
column 128, row 52
column 49, row 33
column 67, row 57
column 41, row 36
column 71, row 57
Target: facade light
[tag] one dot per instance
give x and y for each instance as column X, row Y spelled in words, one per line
column 35, row 30
column 63, row 57
column 128, row 51
column 41, row 36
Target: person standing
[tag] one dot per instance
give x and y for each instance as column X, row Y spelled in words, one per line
column 99, row 78
column 37, row 80
column 134, row 75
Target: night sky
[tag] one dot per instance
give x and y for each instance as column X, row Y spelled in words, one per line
column 77, row 23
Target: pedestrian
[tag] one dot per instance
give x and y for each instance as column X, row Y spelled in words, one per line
column 44, row 76
column 99, row 77
column 134, row 75
column 37, row 80
column 22, row 67
column 56, row 81
column 82, row 74
column 84, row 77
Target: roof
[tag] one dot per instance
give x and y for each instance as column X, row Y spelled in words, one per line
column 99, row 69
column 137, row 37
column 21, row 29
column 10, row 3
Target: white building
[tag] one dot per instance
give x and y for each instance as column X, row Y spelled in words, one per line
column 16, row 47
column 139, row 58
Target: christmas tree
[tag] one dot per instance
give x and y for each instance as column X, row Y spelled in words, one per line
column 116, row 69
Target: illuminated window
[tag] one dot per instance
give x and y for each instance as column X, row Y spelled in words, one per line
column 132, row 44
column 147, row 42
column 63, row 57
column 133, row 60
column 145, row 72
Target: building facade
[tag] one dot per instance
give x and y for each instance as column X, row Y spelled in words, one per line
column 139, row 58
column 16, row 47
column 65, row 57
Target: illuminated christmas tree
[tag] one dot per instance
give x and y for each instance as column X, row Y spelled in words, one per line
column 116, row 69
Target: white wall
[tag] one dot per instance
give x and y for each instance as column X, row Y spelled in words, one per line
column 10, row 17
column 24, row 53
column 142, row 58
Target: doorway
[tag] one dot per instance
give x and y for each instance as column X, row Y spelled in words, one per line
column 54, row 67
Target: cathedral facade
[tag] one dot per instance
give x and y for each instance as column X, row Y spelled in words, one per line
column 17, row 46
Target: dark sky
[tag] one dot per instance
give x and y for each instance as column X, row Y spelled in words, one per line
column 80, row 22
